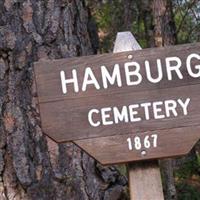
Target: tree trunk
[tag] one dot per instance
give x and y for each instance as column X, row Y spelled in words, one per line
column 164, row 25
column 31, row 165
column 145, row 13
column 128, row 14
column 165, row 34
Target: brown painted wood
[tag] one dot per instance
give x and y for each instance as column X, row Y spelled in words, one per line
column 114, row 149
column 69, row 112
column 48, row 73
column 72, row 115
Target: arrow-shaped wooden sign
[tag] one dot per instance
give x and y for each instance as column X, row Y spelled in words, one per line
column 129, row 106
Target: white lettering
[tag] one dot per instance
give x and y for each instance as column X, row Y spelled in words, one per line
column 170, row 105
column 188, row 63
column 123, row 116
column 105, row 116
column 148, row 72
column 106, row 77
column 65, row 81
column 133, row 112
column 146, row 109
column 89, row 79
column 135, row 73
column 176, row 68
column 156, row 110
column 184, row 105
column 90, row 119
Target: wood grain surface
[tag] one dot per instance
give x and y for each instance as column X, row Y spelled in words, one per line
column 145, row 181
column 114, row 149
column 65, row 116
column 48, row 72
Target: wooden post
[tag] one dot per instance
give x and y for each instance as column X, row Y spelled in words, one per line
column 144, row 177
column 145, row 181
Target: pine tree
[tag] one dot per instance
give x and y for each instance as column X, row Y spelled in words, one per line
column 31, row 165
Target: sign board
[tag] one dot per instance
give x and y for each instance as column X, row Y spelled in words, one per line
column 131, row 101
column 142, row 145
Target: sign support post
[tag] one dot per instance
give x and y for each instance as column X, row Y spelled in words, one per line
column 145, row 181
column 144, row 177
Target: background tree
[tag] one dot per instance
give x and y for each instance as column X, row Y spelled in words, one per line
column 171, row 22
column 164, row 35
column 187, row 18
column 31, row 165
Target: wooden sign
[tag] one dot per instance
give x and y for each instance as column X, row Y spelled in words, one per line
column 129, row 101
column 142, row 145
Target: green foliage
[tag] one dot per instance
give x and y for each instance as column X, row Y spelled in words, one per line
column 108, row 18
column 188, row 169
column 111, row 16
column 187, row 180
column 187, row 192
column 103, row 16
column 187, row 19
column 198, row 161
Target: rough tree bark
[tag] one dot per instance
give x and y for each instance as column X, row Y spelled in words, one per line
column 31, row 165
column 164, row 25
column 165, row 34
column 128, row 14
column 145, row 13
